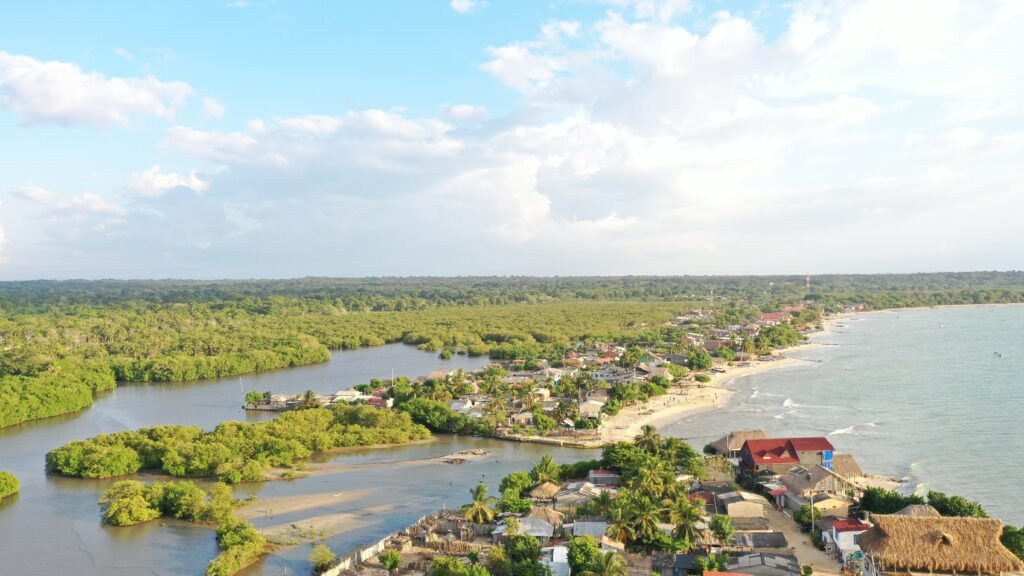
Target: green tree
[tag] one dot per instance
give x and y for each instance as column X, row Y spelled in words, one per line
column 125, row 503
column 518, row 481
column 584, row 554
column 480, row 510
column 1013, row 538
column 608, row 564
column 546, row 470
column 700, row 360
column 713, row 563
column 522, row 548
column 648, row 440
column 722, row 528
column 390, row 560
column 955, row 505
column 685, row 516
column 321, row 558
column 8, row 484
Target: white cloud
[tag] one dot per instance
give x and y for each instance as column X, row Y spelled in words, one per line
column 464, row 6
column 122, row 53
column 62, row 93
column 642, row 145
column 213, row 108
column 463, row 112
column 75, row 207
column 153, row 183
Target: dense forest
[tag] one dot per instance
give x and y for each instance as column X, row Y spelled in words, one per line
column 62, row 341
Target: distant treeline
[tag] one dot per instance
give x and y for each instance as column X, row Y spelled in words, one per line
column 61, row 341
column 416, row 293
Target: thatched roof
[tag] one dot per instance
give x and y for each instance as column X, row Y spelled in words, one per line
column 545, row 491
column 921, row 510
column 554, row 517
column 944, row 544
column 846, row 466
column 734, row 440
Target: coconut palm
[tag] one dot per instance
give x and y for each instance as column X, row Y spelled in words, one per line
column 609, row 564
column 480, row 510
column 648, row 439
column 685, row 516
column 602, row 503
column 645, row 514
column 546, row 470
column 309, row 400
column 620, row 525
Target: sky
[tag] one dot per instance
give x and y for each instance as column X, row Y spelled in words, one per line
column 285, row 138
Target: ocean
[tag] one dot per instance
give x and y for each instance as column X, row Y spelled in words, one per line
column 934, row 396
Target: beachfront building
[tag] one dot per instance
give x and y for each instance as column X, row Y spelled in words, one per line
column 944, row 545
column 778, row 455
column 801, row 485
column 731, row 444
column 604, row 478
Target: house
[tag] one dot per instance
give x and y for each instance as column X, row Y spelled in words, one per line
column 379, row 402
column 521, row 418
column 753, row 525
column 842, row 539
column 653, row 371
column 944, row 545
column 552, row 516
column 545, row 491
column 778, row 455
column 765, row 564
column 595, row 528
column 774, row 318
column 803, row 484
column 575, row 494
column 731, row 444
column 591, row 409
column 557, row 559
column 740, row 504
column 759, row 540
column 462, row 405
column 540, row 529
column 831, row 505
column 439, row 374
column 674, row 564
column 604, row 478
column 611, row 374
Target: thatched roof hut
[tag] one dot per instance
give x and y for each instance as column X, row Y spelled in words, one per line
column 545, row 491
column 846, row 466
column 554, row 517
column 733, row 442
column 944, row 544
column 920, row 510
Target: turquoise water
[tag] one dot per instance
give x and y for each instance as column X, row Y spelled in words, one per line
column 917, row 394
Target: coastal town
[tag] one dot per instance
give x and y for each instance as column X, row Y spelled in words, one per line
column 745, row 504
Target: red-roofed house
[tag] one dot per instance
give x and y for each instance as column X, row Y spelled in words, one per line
column 842, row 541
column 774, row 318
column 778, row 455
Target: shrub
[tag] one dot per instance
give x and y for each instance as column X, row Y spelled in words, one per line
column 321, row 558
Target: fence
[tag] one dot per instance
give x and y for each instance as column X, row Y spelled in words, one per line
column 357, row 557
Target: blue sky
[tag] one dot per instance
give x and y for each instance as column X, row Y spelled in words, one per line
column 273, row 139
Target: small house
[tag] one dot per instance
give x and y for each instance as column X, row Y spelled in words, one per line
column 740, row 504
column 765, row 564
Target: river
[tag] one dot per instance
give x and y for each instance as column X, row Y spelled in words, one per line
column 53, row 526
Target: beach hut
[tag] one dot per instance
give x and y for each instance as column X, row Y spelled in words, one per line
column 943, row 545
column 545, row 491
column 550, row 515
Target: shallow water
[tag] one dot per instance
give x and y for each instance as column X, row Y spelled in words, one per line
column 53, row 525
column 920, row 394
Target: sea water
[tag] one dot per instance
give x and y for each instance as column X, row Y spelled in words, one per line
column 934, row 396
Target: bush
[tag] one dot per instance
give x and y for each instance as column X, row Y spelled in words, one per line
column 131, row 502
column 321, row 558
column 8, row 484
column 807, row 570
column 704, row 378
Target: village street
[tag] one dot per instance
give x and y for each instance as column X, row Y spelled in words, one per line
column 800, row 543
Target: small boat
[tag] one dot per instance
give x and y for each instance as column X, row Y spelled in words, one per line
column 998, row 354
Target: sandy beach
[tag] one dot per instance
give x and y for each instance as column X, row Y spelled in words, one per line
column 694, row 398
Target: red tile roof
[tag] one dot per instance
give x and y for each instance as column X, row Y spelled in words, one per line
column 811, row 444
column 783, row 450
column 852, row 525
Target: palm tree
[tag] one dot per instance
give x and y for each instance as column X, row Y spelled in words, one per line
column 649, row 481
column 609, row 564
column 648, row 439
column 309, row 400
column 546, row 470
column 602, row 503
column 620, row 525
column 685, row 517
column 645, row 514
column 479, row 511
